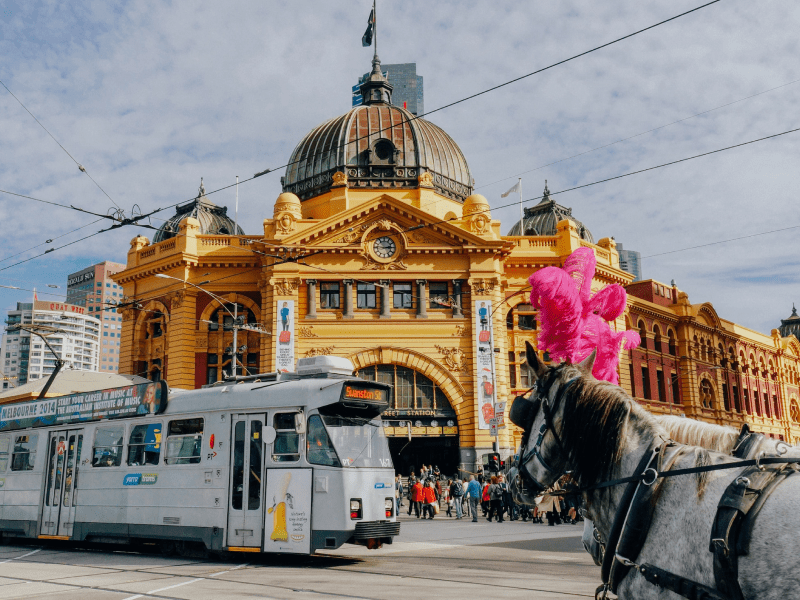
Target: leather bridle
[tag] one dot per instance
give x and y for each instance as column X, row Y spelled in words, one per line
column 524, row 415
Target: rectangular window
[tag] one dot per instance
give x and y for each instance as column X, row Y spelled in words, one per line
column 646, row 383
column 405, row 388
column 438, row 294
column 5, row 444
column 736, row 404
column 329, row 294
column 402, row 295
column 524, row 372
column 365, row 297
column 107, row 450
column 424, row 393
column 527, row 322
column 512, row 371
column 144, row 445
column 286, row 446
column 184, row 440
column 726, row 401
column 662, row 393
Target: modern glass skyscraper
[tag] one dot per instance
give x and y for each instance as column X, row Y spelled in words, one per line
column 630, row 261
column 408, row 89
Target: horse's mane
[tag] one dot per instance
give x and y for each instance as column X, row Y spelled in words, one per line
column 696, row 433
column 598, row 415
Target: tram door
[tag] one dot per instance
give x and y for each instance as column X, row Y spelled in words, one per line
column 63, row 462
column 246, row 505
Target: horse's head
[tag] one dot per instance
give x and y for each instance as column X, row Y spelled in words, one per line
column 542, row 457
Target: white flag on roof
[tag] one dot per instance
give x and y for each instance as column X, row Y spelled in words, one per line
column 517, row 187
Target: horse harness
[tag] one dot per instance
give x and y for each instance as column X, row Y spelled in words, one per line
column 731, row 530
column 733, row 522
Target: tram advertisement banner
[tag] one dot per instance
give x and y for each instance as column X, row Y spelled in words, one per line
column 140, row 399
column 485, row 362
column 284, row 347
column 287, row 524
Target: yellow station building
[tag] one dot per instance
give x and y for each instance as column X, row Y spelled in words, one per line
column 378, row 250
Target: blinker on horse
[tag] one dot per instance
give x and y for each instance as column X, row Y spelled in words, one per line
column 595, row 430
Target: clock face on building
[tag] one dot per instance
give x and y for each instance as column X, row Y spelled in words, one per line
column 384, row 247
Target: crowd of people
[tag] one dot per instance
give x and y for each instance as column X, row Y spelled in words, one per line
column 430, row 493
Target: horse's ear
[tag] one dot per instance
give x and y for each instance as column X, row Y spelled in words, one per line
column 587, row 364
column 538, row 368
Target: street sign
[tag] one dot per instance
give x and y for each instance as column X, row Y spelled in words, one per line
column 493, row 429
column 500, row 414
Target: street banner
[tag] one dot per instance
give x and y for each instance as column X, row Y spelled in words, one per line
column 284, row 327
column 287, row 525
column 485, row 362
column 500, row 413
column 130, row 401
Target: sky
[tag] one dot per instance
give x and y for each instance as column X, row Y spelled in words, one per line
column 151, row 96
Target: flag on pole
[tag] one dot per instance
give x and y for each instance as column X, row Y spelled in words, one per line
column 517, row 187
column 366, row 39
column 35, row 295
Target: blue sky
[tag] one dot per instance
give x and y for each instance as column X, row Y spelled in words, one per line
column 150, row 96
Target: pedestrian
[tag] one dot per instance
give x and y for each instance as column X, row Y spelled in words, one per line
column 429, row 500
column 398, row 493
column 485, row 499
column 551, row 505
column 464, row 499
column 423, row 473
column 456, row 490
column 495, row 501
column 480, row 475
column 437, row 487
column 508, row 501
column 448, row 498
column 416, row 498
column 474, row 495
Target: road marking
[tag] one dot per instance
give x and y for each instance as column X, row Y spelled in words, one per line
column 229, row 570
column 18, row 557
column 169, row 587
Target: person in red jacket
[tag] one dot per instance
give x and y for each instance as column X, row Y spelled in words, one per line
column 429, row 499
column 416, row 497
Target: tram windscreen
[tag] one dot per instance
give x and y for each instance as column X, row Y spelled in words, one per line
column 359, row 441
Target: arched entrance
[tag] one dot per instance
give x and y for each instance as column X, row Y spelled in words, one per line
column 421, row 425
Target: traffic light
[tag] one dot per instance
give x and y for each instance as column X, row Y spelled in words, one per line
column 494, row 462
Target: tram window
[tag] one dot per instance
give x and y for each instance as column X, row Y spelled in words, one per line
column 107, row 450
column 5, row 442
column 319, row 450
column 144, row 445
column 285, row 448
column 24, row 455
column 184, row 439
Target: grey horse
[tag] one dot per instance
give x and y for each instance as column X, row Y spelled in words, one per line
column 602, row 434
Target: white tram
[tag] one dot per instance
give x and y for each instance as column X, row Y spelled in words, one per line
column 285, row 462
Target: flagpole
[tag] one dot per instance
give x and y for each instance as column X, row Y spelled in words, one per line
column 375, row 27
column 236, row 210
column 521, row 212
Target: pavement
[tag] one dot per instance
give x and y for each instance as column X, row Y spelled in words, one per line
column 441, row 558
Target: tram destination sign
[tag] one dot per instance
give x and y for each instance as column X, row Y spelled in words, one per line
column 129, row 401
column 365, row 393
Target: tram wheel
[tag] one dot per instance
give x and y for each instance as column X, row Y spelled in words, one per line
column 169, row 548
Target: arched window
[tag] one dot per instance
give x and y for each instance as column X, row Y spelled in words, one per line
column 643, row 333
column 673, row 348
column 411, row 389
column 657, row 337
column 221, row 318
column 794, row 411
column 706, row 394
column 722, row 358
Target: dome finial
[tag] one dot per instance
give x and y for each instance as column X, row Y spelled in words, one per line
column 202, row 190
column 376, row 89
column 794, row 310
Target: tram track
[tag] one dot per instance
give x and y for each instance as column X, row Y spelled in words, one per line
column 195, row 578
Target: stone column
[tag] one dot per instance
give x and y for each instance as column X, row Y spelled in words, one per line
column 311, row 313
column 178, row 342
column 422, row 300
column 386, row 293
column 348, row 299
column 458, row 312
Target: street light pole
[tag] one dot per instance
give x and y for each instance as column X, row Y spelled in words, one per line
column 234, row 315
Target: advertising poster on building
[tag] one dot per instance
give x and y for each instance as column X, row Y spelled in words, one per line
column 485, row 363
column 287, row 524
column 284, row 328
column 140, row 399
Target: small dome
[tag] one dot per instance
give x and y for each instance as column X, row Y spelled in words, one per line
column 476, row 204
column 288, row 202
column 543, row 218
column 377, row 145
column 213, row 219
column 791, row 325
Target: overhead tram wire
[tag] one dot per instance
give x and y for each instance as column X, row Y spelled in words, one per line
column 134, row 220
column 80, row 166
column 705, row 112
column 487, row 90
column 49, row 240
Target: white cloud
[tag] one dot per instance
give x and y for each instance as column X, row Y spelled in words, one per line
column 151, row 96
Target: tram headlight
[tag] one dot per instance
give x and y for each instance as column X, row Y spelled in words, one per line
column 355, row 508
column 389, row 506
